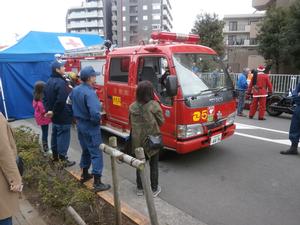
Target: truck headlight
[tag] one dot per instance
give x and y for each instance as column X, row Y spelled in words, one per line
column 191, row 130
column 230, row 119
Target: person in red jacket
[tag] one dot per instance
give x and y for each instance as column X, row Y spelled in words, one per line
column 260, row 86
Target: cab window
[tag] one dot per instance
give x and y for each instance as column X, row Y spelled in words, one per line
column 155, row 70
column 119, row 68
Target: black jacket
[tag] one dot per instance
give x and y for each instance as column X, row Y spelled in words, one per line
column 55, row 95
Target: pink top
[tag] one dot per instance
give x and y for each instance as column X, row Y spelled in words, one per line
column 39, row 113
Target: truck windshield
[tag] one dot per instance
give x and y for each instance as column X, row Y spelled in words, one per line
column 199, row 73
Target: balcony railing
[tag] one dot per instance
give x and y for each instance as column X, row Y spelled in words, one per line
column 84, row 25
column 114, row 8
column 239, row 29
column 242, row 42
column 85, row 15
column 167, row 2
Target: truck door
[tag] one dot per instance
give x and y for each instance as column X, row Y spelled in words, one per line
column 156, row 69
column 118, row 91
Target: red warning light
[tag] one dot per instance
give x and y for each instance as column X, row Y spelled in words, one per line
column 174, row 37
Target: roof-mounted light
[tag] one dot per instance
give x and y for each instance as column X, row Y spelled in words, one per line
column 174, row 37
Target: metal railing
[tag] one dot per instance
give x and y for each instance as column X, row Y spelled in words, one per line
column 281, row 82
column 138, row 163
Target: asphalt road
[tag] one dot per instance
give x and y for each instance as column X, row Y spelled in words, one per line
column 241, row 181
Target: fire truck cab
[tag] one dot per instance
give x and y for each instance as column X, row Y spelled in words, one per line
column 191, row 84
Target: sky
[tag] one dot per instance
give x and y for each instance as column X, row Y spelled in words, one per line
column 18, row 17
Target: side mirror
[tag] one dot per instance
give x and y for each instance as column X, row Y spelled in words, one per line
column 171, row 85
column 103, row 69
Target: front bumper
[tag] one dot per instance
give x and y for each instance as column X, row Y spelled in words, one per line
column 186, row 146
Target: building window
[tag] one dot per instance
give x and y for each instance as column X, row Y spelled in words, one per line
column 124, row 38
column 145, row 27
column 119, row 68
column 124, row 28
column 123, row 8
column 155, row 16
column 233, row 26
column 133, row 9
column 133, row 19
column 155, row 6
column 145, row 17
column 124, row 18
column 145, row 7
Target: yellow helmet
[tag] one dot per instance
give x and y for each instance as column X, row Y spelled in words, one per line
column 73, row 75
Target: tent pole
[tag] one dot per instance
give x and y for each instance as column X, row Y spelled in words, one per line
column 3, row 98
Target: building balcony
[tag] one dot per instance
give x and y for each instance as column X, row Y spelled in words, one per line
column 114, row 28
column 85, row 15
column 115, row 37
column 167, row 3
column 167, row 15
column 241, row 43
column 93, row 4
column 74, row 25
column 114, row 18
column 167, row 24
column 114, row 8
column 262, row 4
column 239, row 29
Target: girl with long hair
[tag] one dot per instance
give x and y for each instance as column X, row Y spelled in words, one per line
column 39, row 113
column 146, row 117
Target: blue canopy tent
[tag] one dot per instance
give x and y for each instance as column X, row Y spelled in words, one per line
column 28, row 61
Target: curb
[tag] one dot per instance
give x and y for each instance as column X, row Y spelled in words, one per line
column 132, row 214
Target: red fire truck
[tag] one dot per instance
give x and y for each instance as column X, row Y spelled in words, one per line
column 191, row 84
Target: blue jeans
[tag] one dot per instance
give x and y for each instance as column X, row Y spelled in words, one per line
column 60, row 138
column 7, row 221
column 241, row 102
column 45, row 133
column 91, row 153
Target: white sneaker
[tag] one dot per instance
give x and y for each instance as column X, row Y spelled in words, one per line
column 47, row 153
column 156, row 193
column 139, row 192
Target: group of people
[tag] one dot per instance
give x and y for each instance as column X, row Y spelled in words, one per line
column 57, row 102
column 257, row 83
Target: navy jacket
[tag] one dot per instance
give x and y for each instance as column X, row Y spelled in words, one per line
column 55, row 95
column 86, row 107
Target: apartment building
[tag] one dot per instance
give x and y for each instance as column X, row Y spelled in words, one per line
column 264, row 4
column 93, row 16
column 240, row 32
column 134, row 20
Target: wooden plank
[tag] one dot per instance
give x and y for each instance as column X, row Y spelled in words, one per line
column 126, row 210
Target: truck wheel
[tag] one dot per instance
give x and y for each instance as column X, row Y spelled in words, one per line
column 273, row 101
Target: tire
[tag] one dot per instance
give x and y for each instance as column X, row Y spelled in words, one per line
column 273, row 100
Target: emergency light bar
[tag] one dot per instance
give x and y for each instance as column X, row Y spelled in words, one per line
column 174, row 37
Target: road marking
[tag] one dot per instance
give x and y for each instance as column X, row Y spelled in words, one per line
column 277, row 141
column 241, row 126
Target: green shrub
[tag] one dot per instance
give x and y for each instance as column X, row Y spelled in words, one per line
column 54, row 185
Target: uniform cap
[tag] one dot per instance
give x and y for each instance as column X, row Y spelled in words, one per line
column 57, row 64
column 87, row 72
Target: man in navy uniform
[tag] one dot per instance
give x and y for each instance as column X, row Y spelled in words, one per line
column 55, row 94
column 294, row 133
column 86, row 109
